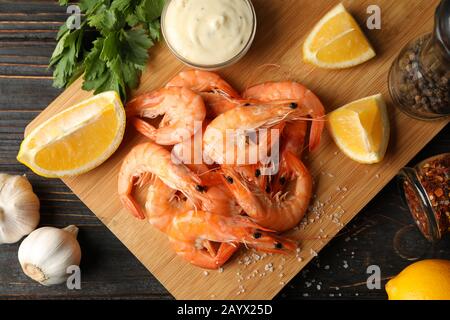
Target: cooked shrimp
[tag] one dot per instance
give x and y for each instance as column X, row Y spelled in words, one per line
column 293, row 137
column 272, row 91
column 189, row 231
column 204, row 254
column 217, row 103
column 163, row 204
column 220, row 136
column 283, row 211
column 202, row 81
column 182, row 108
column 149, row 159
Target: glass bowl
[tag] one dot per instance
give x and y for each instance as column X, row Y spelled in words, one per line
column 217, row 66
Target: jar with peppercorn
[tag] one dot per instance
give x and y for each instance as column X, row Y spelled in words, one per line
column 419, row 79
column 426, row 190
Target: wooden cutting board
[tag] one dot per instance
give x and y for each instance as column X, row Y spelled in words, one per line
column 343, row 187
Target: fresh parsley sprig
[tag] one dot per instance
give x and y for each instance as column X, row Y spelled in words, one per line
column 111, row 46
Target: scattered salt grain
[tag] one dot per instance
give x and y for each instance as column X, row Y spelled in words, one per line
column 205, row 273
column 269, row 267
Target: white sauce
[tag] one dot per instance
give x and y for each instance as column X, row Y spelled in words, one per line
column 208, row 32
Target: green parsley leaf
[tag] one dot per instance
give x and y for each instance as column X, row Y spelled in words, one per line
column 111, row 48
column 104, row 20
column 65, row 57
column 149, row 10
column 154, row 30
column 135, row 47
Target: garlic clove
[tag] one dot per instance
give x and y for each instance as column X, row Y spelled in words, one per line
column 47, row 252
column 19, row 208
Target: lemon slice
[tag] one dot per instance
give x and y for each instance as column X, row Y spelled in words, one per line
column 337, row 41
column 76, row 140
column 361, row 129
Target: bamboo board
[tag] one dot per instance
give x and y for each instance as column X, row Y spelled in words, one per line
column 343, row 187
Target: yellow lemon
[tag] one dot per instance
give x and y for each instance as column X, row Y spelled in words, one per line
column 361, row 129
column 76, row 140
column 423, row 280
column 337, row 41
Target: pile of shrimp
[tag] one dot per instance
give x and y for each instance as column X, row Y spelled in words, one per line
column 211, row 208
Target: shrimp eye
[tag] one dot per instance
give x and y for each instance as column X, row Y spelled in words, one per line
column 279, row 245
column 229, row 179
column 293, row 105
column 200, row 188
column 268, row 189
column 257, row 173
column 282, row 180
column 246, row 104
column 257, row 235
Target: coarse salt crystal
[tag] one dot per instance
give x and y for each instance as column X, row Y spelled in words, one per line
column 268, row 267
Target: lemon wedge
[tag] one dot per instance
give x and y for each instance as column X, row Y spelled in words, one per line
column 361, row 129
column 337, row 41
column 76, row 140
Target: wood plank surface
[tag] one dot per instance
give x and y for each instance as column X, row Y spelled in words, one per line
column 360, row 182
column 387, row 202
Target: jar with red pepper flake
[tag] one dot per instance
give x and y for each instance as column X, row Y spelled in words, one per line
column 426, row 191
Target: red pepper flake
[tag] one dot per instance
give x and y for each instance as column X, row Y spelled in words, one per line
column 434, row 176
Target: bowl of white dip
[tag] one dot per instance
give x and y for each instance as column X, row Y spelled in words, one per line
column 209, row 34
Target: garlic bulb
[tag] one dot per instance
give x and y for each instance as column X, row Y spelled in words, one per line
column 47, row 252
column 19, row 208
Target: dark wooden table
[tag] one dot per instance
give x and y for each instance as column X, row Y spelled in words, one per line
column 382, row 234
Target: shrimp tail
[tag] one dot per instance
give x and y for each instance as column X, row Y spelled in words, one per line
column 131, row 204
column 144, row 128
column 203, row 258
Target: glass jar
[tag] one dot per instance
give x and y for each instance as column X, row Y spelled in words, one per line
column 419, row 79
column 245, row 43
column 426, row 191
